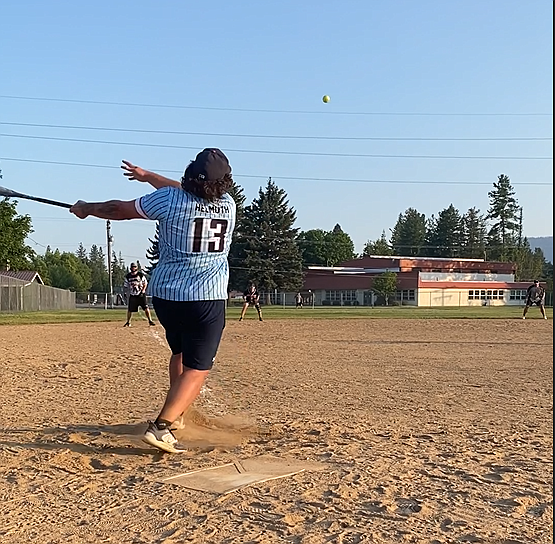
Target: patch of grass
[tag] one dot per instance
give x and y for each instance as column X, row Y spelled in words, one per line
column 62, row 316
column 392, row 312
column 278, row 312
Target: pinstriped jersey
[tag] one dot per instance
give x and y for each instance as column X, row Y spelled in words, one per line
column 193, row 240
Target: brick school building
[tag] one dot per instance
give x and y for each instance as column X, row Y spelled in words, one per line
column 421, row 281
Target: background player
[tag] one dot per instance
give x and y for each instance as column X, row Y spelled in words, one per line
column 134, row 287
column 535, row 296
column 251, row 297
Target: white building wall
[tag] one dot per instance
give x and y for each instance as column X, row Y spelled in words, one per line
column 459, row 297
column 456, row 277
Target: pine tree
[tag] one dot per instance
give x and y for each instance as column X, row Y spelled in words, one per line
column 474, row 235
column 530, row 264
column 99, row 272
column 379, row 247
column 81, row 253
column 118, row 271
column 409, row 234
column 443, row 237
column 153, row 252
column 272, row 257
column 238, row 277
column 504, row 211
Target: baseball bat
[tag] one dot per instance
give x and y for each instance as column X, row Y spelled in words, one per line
column 14, row 194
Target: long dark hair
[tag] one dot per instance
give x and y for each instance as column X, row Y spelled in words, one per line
column 209, row 190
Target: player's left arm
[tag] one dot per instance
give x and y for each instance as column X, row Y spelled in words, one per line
column 111, row 209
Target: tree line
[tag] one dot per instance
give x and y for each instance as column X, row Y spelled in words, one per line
column 268, row 249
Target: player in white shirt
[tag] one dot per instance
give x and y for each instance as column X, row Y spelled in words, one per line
column 196, row 219
column 134, row 286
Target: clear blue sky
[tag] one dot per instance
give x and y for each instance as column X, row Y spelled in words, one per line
column 431, row 101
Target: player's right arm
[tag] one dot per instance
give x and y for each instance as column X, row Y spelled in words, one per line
column 136, row 173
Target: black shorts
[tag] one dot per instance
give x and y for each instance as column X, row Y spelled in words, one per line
column 251, row 300
column 534, row 302
column 193, row 329
column 136, row 302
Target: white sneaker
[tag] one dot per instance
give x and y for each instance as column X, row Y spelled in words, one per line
column 545, row 317
column 163, row 439
column 523, row 318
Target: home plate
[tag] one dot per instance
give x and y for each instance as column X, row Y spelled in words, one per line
column 241, row 473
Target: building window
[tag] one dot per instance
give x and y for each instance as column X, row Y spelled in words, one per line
column 339, row 296
column 518, row 294
column 486, row 294
column 406, row 294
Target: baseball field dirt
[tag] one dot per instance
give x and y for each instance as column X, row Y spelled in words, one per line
column 415, row 431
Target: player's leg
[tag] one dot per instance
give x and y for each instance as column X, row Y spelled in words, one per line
column 145, row 307
column 200, row 341
column 132, row 307
column 542, row 310
column 175, row 367
column 526, row 308
column 173, row 338
column 244, row 310
column 202, row 324
column 259, row 310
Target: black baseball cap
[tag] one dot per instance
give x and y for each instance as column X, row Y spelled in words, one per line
column 209, row 165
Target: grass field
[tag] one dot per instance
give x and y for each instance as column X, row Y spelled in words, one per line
column 278, row 312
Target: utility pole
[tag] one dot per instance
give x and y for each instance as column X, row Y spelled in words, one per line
column 110, row 239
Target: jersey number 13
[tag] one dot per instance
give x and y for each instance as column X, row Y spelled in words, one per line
column 209, row 234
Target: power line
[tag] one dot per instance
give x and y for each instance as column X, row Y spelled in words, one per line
column 273, row 152
column 274, row 136
column 253, row 110
column 290, row 178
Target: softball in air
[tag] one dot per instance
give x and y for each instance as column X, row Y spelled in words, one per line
column 326, row 98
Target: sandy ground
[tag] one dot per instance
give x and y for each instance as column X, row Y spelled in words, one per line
column 425, row 431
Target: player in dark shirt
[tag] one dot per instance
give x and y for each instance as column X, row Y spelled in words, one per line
column 535, row 296
column 251, row 297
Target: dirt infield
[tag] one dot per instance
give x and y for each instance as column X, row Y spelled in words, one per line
column 429, row 431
